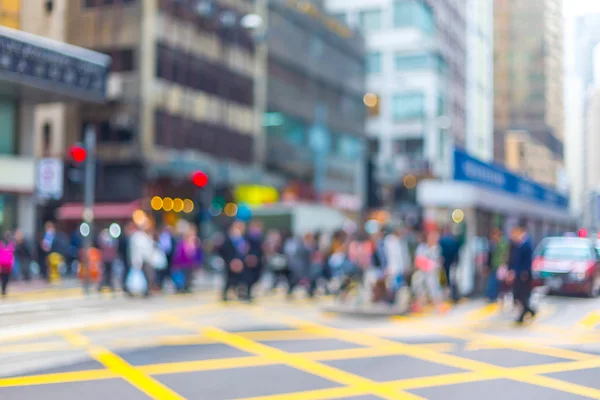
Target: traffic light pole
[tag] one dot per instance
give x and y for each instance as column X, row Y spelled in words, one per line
column 88, row 193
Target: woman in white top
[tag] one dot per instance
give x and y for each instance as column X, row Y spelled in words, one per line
column 141, row 249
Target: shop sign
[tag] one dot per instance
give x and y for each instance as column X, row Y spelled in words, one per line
column 256, row 195
column 50, row 178
column 470, row 169
column 39, row 65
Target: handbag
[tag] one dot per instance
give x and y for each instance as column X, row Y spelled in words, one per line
column 158, row 259
column 136, row 281
column 7, row 257
column 277, row 262
column 424, row 264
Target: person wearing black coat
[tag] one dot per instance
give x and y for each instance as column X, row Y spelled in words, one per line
column 519, row 265
column 254, row 262
column 233, row 251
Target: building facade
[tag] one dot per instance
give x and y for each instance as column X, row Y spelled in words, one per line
column 416, row 58
column 479, row 139
column 35, row 70
column 180, row 99
column 528, row 82
column 315, row 120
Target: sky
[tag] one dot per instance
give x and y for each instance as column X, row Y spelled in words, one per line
column 578, row 7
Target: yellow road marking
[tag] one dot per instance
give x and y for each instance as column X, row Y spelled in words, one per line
column 120, row 367
column 205, row 365
column 78, row 376
column 306, row 365
column 482, row 313
column 334, row 393
column 441, row 347
column 590, row 321
column 480, row 368
column 439, row 380
column 279, row 335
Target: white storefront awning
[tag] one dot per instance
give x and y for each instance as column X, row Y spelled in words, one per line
column 456, row 194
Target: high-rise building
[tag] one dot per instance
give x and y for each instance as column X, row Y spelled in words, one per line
column 315, row 120
column 416, row 66
column 528, row 87
column 36, row 70
column 181, row 99
column 479, row 139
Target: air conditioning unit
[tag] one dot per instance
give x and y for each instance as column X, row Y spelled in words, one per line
column 114, row 89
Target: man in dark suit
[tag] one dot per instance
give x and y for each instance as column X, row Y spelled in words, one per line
column 233, row 251
column 519, row 264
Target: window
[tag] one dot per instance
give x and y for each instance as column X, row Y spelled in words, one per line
column 8, row 112
column 99, row 3
column 407, row 62
column 414, row 13
column 408, row 105
column 374, row 63
column 349, row 147
column 370, row 20
column 122, row 60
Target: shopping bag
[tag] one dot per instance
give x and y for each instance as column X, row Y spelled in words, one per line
column 136, row 282
column 178, row 279
column 159, row 259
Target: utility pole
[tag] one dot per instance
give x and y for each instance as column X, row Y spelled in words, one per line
column 88, row 196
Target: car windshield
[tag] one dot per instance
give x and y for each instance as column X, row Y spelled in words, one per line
column 566, row 253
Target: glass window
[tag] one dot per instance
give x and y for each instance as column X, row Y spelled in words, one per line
column 374, row 63
column 370, row 20
column 408, row 105
column 405, row 62
column 7, row 127
column 414, row 13
column 348, row 147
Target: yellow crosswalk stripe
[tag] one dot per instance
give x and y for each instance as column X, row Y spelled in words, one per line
column 590, row 321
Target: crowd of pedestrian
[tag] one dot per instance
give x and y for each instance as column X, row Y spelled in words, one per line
column 373, row 268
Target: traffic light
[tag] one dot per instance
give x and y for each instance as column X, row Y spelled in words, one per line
column 372, row 102
column 77, row 153
column 200, row 179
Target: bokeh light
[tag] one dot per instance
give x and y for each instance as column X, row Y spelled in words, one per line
column 230, row 209
column 410, row 181
column 188, row 206
column 178, row 205
column 458, row 215
column 371, row 227
column 114, row 230
column 244, row 212
column 139, row 217
column 167, row 204
column 156, row 203
column 214, row 210
column 84, row 229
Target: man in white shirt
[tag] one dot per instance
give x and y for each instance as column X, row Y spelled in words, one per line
column 397, row 259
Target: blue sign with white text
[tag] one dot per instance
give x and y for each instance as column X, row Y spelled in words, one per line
column 470, row 169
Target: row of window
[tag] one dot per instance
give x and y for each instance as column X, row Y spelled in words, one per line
column 184, row 134
column 188, row 70
column 406, row 13
column 296, row 132
column 411, row 105
column 100, row 3
column 407, row 62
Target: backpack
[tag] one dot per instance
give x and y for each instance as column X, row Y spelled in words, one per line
column 7, row 257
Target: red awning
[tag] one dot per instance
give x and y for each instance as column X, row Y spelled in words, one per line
column 74, row 211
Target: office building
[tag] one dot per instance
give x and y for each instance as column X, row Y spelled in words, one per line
column 180, row 96
column 528, row 87
column 315, row 120
column 479, row 139
column 36, row 70
column 416, row 60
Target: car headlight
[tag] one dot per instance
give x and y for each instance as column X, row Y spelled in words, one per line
column 579, row 276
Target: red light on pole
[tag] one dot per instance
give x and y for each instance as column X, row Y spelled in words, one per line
column 583, row 233
column 78, row 153
column 200, row 179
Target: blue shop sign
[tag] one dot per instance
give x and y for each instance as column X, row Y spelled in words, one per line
column 470, row 169
column 43, row 64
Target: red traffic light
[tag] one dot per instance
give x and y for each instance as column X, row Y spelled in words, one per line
column 200, row 179
column 78, row 153
column 583, row 233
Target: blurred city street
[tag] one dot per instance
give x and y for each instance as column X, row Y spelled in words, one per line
column 189, row 346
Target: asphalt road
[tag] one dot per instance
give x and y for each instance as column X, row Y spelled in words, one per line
column 191, row 347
